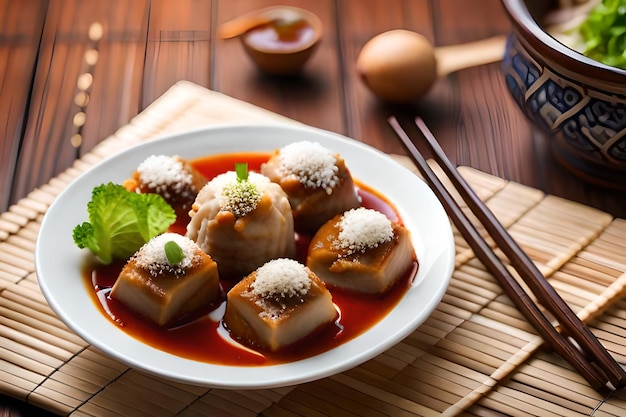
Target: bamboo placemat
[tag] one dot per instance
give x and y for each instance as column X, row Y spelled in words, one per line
column 474, row 356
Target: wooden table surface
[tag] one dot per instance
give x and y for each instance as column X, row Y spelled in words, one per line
column 62, row 92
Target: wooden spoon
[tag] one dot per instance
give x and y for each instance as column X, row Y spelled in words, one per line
column 457, row 57
column 241, row 24
column 401, row 65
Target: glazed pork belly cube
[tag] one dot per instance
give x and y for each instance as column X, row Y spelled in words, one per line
column 317, row 182
column 242, row 224
column 362, row 251
column 172, row 177
column 278, row 305
column 151, row 285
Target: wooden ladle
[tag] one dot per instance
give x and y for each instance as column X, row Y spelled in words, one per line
column 401, row 65
column 242, row 24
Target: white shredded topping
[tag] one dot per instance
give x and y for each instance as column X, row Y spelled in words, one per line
column 362, row 229
column 282, row 277
column 313, row 165
column 163, row 173
column 151, row 256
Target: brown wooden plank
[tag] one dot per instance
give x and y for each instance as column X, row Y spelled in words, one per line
column 21, row 25
column 116, row 93
column 471, row 92
column 178, row 46
column 313, row 97
column 65, row 41
column 366, row 115
column 51, row 103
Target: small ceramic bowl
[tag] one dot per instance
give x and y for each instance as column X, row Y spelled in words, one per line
column 279, row 39
column 579, row 102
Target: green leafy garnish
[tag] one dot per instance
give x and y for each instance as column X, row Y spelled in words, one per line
column 121, row 221
column 241, row 169
column 174, row 253
column 604, row 33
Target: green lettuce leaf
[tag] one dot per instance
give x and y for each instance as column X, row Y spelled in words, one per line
column 121, row 221
column 604, row 33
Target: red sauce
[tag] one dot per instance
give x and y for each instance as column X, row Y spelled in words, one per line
column 200, row 338
column 281, row 35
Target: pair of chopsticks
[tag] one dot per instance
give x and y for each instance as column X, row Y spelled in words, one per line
column 576, row 343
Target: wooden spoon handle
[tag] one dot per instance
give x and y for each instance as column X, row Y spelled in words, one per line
column 240, row 25
column 457, row 57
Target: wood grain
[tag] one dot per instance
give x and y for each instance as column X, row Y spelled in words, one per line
column 21, row 26
column 149, row 45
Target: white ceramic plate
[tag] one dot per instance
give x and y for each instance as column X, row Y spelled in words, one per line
column 59, row 261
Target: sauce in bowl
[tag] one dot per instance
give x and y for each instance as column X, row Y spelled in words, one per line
column 281, row 36
column 278, row 39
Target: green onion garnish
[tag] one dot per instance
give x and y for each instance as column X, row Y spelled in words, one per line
column 241, row 168
column 174, row 253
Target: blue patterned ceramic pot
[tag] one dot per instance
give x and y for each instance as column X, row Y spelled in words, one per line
column 580, row 103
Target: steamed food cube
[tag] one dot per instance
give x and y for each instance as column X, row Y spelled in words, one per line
column 362, row 251
column 242, row 224
column 162, row 290
column 316, row 181
column 277, row 305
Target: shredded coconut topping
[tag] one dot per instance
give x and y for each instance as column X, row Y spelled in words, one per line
column 313, row 165
column 282, row 277
column 362, row 229
column 151, row 256
column 163, row 173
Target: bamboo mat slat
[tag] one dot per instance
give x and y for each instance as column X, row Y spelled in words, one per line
column 475, row 355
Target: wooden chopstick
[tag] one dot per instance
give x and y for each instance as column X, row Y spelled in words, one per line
column 545, row 293
column 588, row 356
